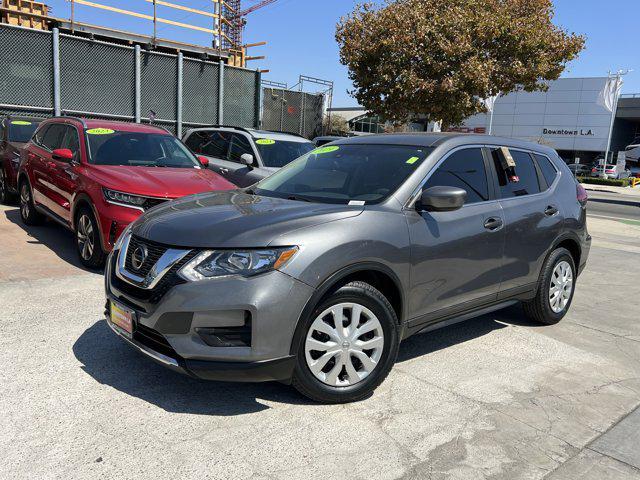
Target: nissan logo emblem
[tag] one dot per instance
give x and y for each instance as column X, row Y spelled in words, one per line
column 138, row 256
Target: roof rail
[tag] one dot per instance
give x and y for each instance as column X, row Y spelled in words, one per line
column 242, row 129
column 71, row 117
column 295, row 134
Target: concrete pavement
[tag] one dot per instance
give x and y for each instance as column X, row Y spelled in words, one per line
column 494, row 397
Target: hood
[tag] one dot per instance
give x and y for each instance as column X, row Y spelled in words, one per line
column 233, row 220
column 17, row 145
column 158, row 182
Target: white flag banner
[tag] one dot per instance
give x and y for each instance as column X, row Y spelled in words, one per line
column 609, row 94
column 489, row 102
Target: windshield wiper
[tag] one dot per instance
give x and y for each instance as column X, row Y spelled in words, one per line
column 298, row 198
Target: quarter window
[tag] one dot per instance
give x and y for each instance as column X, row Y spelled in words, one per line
column 524, row 179
column 548, row 170
column 463, row 169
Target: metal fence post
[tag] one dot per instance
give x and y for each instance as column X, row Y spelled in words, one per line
column 57, row 110
column 221, row 94
column 179, row 98
column 302, row 102
column 259, row 100
column 137, row 84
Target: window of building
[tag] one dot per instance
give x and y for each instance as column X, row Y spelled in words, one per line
column 463, row 169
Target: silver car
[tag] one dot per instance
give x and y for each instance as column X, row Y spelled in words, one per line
column 245, row 156
column 314, row 275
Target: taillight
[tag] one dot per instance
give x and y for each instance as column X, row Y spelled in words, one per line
column 611, row 171
column 581, row 194
column 594, row 170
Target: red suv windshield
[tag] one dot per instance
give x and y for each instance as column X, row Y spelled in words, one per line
column 144, row 149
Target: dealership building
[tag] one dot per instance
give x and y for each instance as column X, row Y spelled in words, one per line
column 567, row 117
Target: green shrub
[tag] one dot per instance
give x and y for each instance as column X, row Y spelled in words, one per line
column 623, row 182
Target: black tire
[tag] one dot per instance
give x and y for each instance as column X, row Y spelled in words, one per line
column 362, row 294
column 539, row 309
column 88, row 242
column 28, row 212
column 5, row 196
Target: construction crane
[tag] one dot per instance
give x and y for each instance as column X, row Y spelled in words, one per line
column 234, row 20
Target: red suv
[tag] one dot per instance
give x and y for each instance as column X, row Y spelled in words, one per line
column 95, row 177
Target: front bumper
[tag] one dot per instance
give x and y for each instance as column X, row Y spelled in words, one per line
column 278, row 369
column 170, row 329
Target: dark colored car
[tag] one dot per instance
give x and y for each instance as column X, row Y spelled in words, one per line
column 245, row 156
column 320, row 141
column 15, row 131
column 314, row 275
column 96, row 176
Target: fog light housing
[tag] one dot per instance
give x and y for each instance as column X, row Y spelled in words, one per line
column 227, row 336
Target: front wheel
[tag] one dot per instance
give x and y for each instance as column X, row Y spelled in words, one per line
column 88, row 239
column 347, row 346
column 5, row 196
column 555, row 289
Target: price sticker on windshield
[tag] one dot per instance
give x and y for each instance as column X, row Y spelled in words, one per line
column 100, row 131
column 412, row 160
column 20, row 122
column 265, row 141
column 329, row 149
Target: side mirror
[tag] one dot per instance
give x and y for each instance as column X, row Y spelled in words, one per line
column 203, row 160
column 62, row 154
column 246, row 159
column 441, row 199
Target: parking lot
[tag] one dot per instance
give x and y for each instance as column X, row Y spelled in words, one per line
column 495, row 397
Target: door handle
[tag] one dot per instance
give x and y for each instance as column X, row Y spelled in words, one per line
column 550, row 211
column 224, row 171
column 493, row 223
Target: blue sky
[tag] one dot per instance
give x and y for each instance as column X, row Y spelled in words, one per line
column 300, row 35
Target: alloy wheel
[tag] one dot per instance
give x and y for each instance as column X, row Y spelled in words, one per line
column 3, row 192
column 561, row 286
column 86, row 238
column 25, row 201
column 344, row 344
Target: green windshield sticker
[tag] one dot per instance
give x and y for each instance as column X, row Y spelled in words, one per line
column 413, row 160
column 100, row 131
column 20, row 122
column 265, row 141
column 329, row 149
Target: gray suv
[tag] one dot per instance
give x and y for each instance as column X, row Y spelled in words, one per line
column 314, row 275
column 245, row 156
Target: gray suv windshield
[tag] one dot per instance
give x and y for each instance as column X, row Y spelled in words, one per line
column 344, row 173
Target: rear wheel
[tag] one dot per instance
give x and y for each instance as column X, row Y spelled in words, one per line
column 347, row 346
column 88, row 239
column 555, row 289
column 28, row 213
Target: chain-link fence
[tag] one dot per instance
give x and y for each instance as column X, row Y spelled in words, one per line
column 48, row 73
column 292, row 111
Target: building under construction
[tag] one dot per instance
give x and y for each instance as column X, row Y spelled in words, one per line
column 227, row 20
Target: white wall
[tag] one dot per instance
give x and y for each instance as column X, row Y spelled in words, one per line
column 568, row 111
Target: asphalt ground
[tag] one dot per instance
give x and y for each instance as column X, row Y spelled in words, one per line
column 493, row 397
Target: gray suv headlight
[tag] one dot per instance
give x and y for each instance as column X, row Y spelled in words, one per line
column 217, row 263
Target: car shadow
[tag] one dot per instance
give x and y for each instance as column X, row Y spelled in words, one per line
column 430, row 342
column 53, row 236
column 112, row 362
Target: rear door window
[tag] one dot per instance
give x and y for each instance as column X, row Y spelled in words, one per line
column 212, row 144
column 519, row 181
column 463, row 169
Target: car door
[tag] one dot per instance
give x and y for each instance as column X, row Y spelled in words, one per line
column 215, row 145
column 456, row 256
column 241, row 174
column 533, row 219
column 40, row 157
column 63, row 175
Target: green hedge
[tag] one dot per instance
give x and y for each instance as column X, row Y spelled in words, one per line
column 623, row 182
